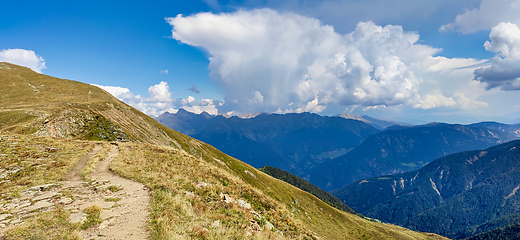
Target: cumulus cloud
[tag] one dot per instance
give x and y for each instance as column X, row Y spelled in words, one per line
column 504, row 71
column 160, row 101
column 436, row 99
column 486, row 16
column 269, row 61
column 22, row 57
column 194, row 89
column 160, row 93
column 164, row 71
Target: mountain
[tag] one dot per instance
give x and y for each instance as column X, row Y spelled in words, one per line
column 374, row 122
column 510, row 232
column 50, row 126
column 406, row 148
column 292, row 142
column 513, row 129
column 457, row 196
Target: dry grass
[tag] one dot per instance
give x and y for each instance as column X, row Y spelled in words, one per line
column 30, row 161
column 47, row 225
column 186, row 196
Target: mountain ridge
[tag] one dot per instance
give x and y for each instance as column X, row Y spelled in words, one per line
column 456, row 195
column 400, row 149
column 295, row 142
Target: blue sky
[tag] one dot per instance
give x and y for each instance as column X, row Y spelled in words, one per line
column 406, row 59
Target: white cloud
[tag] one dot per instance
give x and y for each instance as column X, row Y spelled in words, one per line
column 22, row 57
column 270, row 61
column 160, row 100
column 436, row 99
column 504, row 71
column 160, row 93
column 312, row 106
column 164, row 71
column 205, row 105
column 488, row 15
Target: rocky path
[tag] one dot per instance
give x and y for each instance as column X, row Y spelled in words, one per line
column 124, row 203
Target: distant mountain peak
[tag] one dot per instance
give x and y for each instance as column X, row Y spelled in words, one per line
column 251, row 115
column 354, row 117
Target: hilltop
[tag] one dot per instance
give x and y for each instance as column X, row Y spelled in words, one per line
column 195, row 190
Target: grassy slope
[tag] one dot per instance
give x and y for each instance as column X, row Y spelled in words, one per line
column 306, row 186
column 33, row 103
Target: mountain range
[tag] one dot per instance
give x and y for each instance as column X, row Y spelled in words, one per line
column 331, row 152
column 293, row 142
column 399, row 149
column 457, row 196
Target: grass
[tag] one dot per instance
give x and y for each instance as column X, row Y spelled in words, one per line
column 113, row 188
column 170, row 174
column 112, row 199
column 47, row 225
column 34, row 161
column 93, row 217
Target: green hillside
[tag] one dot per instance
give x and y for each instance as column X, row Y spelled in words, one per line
column 306, row 186
column 173, row 166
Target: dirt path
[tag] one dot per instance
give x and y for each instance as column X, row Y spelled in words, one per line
column 124, row 203
column 74, row 174
column 126, row 218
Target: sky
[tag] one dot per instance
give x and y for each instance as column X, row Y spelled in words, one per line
column 409, row 60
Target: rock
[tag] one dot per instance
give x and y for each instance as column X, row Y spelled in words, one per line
column 216, row 223
column 201, row 185
column 78, row 217
column 52, row 150
column 45, row 196
column 255, row 226
column 39, row 205
column 65, row 200
column 111, row 187
column 107, row 205
column 189, row 194
column 24, row 204
column 11, row 205
column 268, row 225
column 250, row 173
column 226, row 198
column 257, row 215
column 103, row 225
column 108, row 214
column 16, row 221
column 5, row 216
column 244, row 204
column 42, row 187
